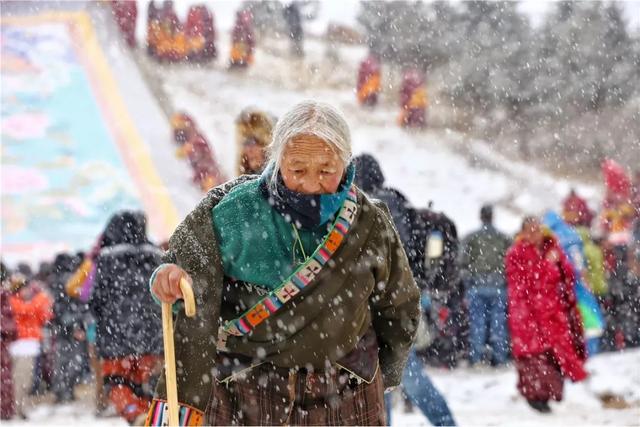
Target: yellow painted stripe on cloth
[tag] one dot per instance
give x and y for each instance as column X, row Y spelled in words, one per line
column 134, row 143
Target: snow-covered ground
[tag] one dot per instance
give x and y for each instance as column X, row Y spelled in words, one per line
column 489, row 397
column 476, row 397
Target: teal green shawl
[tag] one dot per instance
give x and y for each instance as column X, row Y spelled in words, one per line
column 257, row 244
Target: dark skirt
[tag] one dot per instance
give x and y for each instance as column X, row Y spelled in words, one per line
column 267, row 395
column 539, row 377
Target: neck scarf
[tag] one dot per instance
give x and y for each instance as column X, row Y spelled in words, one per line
column 306, row 211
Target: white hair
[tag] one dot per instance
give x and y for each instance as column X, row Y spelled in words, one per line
column 309, row 118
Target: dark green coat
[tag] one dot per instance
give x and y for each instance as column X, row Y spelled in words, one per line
column 369, row 283
column 483, row 252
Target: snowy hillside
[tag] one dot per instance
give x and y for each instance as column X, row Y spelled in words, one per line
column 438, row 165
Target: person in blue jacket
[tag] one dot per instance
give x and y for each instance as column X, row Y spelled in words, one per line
column 574, row 248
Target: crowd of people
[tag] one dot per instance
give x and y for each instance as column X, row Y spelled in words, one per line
column 413, row 92
column 170, row 40
column 487, row 298
column 477, row 292
column 412, row 95
column 84, row 318
column 546, row 298
column 565, row 287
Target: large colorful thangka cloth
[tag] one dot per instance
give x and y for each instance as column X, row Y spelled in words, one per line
column 71, row 153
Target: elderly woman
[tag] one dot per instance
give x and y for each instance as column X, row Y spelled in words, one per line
column 306, row 303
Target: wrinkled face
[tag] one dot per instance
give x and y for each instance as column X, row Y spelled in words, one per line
column 311, row 166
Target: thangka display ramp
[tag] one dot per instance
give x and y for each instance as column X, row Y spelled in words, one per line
column 71, row 154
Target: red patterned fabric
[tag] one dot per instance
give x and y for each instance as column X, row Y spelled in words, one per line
column 539, row 377
column 126, row 377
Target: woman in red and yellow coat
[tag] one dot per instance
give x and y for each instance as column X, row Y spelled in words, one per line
column 166, row 37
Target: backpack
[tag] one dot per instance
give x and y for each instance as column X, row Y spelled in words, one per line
column 437, row 246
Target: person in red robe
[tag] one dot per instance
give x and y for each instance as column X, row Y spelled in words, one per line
column 200, row 34
column 126, row 13
column 546, row 327
column 368, row 86
column 242, row 40
column 170, row 40
column 413, row 100
column 206, row 173
column 576, row 211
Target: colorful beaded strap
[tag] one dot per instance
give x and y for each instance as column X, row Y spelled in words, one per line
column 158, row 415
column 300, row 278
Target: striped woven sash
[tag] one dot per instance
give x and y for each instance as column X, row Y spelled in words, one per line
column 298, row 280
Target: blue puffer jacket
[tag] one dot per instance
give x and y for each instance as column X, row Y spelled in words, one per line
column 572, row 244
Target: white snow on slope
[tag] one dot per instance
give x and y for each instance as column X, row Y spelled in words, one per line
column 439, row 165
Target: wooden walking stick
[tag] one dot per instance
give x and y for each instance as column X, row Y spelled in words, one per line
column 169, row 351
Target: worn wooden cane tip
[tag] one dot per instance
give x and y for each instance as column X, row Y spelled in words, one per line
column 189, row 299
